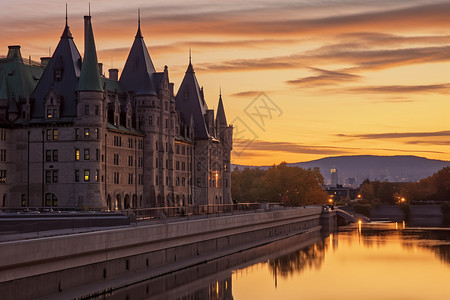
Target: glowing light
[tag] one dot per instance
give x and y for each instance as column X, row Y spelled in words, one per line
column 396, row 225
column 404, row 225
column 403, row 199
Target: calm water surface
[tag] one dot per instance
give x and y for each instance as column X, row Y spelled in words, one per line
column 381, row 261
column 374, row 261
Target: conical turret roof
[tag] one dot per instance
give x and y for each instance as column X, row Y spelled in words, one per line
column 220, row 117
column 90, row 77
column 138, row 72
column 190, row 103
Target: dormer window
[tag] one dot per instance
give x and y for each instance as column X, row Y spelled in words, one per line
column 52, row 106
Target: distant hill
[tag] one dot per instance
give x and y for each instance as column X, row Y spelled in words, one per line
column 360, row 167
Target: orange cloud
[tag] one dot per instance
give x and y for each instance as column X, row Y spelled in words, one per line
column 325, row 77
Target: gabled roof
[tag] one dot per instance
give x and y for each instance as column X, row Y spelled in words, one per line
column 190, row 103
column 138, row 72
column 90, row 76
column 66, row 57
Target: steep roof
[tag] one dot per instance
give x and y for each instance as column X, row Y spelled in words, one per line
column 190, row 103
column 17, row 79
column 220, row 116
column 67, row 58
column 90, row 76
column 138, row 72
column 3, row 89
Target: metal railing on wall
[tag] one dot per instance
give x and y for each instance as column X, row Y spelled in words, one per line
column 194, row 210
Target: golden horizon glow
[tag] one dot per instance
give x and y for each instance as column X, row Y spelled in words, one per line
column 346, row 78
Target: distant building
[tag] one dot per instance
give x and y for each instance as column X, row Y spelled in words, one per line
column 350, row 181
column 334, row 176
column 339, row 193
column 72, row 138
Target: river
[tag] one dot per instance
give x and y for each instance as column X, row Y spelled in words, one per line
column 369, row 261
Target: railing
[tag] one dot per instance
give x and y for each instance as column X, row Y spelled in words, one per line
column 142, row 214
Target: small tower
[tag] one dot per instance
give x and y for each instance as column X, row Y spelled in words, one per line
column 90, row 87
column 224, row 134
column 90, row 110
column 334, row 176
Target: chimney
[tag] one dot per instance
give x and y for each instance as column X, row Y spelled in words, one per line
column 100, row 68
column 114, row 74
column 14, row 52
column 45, row 60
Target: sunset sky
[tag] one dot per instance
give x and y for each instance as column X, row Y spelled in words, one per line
column 300, row 80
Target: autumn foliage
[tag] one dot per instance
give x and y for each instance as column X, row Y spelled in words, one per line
column 292, row 186
column 433, row 188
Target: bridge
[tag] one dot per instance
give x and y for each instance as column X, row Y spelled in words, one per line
column 350, row 218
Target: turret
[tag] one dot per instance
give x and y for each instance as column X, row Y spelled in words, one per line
column 90, row 87
column 90, row 76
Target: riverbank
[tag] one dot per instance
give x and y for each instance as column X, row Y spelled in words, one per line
column 59, row 264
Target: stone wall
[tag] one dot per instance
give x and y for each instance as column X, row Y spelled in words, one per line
column 56, row 264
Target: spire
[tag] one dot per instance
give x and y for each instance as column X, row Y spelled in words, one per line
column 220, row 117
column 66, row 33
column 90, row 76
column 139, row 34
column 137, row 74
column 190, row 68
column 190, row 102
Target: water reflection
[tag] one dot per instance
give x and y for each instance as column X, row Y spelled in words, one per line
column 372, row 261
column 213, row 280
column 310, row 257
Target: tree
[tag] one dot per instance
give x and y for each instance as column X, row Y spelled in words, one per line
column 289, row 185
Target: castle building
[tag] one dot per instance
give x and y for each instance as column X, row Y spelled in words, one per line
column 72, row 138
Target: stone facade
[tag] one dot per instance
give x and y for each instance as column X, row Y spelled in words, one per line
column 78, row 139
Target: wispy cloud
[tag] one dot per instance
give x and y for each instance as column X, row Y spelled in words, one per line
column 325, row 77
column 258, row 147
column 401, row 89
column 397, row 135
column 246, row 94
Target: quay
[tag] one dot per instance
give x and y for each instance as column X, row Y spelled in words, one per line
column 84, row 264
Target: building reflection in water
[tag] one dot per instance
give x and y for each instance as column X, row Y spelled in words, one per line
column 283, row 259
column 310, row 257
column 213, row 280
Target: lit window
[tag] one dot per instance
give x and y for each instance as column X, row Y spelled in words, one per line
column 77, row 154
column 55, row 134
column 87, row 175
column 86, row 133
